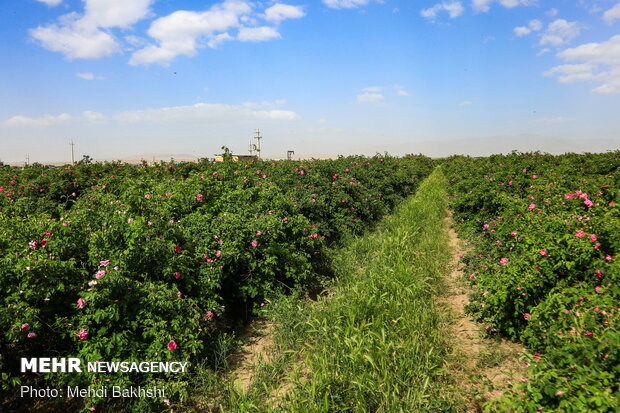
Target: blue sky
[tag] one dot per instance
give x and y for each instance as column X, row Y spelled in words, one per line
column 143, row 78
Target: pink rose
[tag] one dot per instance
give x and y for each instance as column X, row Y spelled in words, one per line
column 104, row 263
column 81, row 303
column 32, row 335
column 199, row 197
column 503, row 261
column 209, row 315
column 543, row 252
column 580, row 234
column 24, row 327
column 82, row 334
column 177, row 275
column 172, row 345
column 255, row 243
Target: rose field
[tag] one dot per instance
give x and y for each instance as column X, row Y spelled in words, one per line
column 346, row 261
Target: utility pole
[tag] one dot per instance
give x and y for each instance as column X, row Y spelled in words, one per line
column 255, row 147
column 258, row 138
column 72, row 154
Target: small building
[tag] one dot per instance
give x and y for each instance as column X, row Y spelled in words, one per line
column 235, row 158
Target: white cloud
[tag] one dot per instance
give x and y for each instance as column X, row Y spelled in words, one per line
column 466, row 103
column 521, row 31
column 218, row 39
column 613, row 14
column 257, row 34
column 532, row 26
column 279, row 12
column 573, row 73
column 89, row 76
column 115, row 13
column 368, row 97
column 559, row 32
column 74, row 41
column 543, row 51
column 204, row 112
column 179, row 33
column 264, row 104
column 535, row 25
column 50, row 3
column 400, row 91
column 81, row 36
column 600, row 63
column 90, row 34
column 345, row 4
column 373, row 89
column 485, row 5
column 41, row 122
column 552, row 13
column 183, row 33
column 94, row 117
column 454, row 10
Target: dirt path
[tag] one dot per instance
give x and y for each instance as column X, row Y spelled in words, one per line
column 258, row 341
column 484, row 367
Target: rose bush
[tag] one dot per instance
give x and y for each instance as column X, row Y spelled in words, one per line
column 545, row 242
column 109, row 261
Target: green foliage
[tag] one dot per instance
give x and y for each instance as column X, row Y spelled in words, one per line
column 373, row 342
column 138, row 256
column 545, row 235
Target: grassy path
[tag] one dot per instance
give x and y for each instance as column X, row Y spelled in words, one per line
column 377, row 340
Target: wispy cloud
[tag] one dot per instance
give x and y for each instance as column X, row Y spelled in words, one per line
column 613, row 14
column 345, row 4
column 466, row 103
column 369, row 97
column 279, row 12
column 198, row 113
column 86, row 36
column 183, row 33
column 88, row 76
column 50, row 3
column 532, row 26
column 600, row 63
column 485, row 5
column 40, row 122
column 90, row 34
column 559, row 32
column 205, row 112
column 454, row 10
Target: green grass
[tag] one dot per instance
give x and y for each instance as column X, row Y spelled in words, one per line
column 376, row 340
